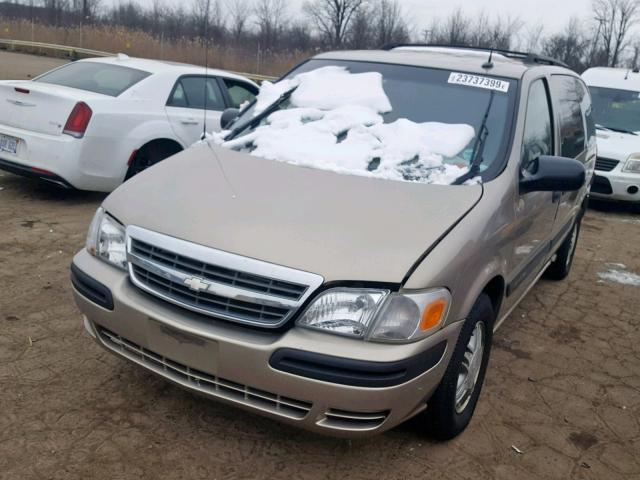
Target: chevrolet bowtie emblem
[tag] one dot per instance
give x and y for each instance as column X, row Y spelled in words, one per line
column 196, row 284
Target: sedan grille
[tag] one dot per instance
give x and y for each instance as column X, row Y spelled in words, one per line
column 216, row 283
column 606, row 164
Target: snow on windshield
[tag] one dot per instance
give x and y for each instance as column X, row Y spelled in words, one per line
column 333, row 122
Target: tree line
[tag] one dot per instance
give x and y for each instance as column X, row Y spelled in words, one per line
column 604, row 36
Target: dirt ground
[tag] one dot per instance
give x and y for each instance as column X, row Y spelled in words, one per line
column 561, row 398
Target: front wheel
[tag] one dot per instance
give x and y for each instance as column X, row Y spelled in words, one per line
column 452, row 405
column 561, row 266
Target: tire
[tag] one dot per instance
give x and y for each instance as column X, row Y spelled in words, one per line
column 449, row 411
column 151, row 154
column 561, row 266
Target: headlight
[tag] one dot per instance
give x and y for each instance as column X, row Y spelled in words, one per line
column 106, row 239
column 378, row 315
column 632, row 164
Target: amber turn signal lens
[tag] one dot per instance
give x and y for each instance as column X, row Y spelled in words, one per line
column 433, row 313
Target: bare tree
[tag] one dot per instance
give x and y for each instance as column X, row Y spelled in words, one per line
column 478, row 31
column 391, row 25
column 270, row 18
column 360, row 34
column 208, row 18
column 633, row 63
column 614, row 18
column 570, row 46
column 531, row 39
column 456, row 28
column 333, row 17
column 239, row 12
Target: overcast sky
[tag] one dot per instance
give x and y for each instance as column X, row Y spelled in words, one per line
column 552, row 13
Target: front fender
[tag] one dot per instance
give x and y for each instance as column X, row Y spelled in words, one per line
column 473, row 253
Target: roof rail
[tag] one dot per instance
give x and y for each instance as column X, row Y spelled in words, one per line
column 526, row 57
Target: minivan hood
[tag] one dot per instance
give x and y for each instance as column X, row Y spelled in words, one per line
column 617, row 146
column 343, row 227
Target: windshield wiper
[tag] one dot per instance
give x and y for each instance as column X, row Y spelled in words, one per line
column 477, row 157
column 612, row 129
column 255, row 121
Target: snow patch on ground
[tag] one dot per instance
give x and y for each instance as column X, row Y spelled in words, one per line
column 616, row 272
column 334, row 122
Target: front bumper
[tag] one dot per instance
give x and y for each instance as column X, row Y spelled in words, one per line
column 232, row 363
column 616, row 185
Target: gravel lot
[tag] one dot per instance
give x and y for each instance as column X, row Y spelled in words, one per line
column 561, row 399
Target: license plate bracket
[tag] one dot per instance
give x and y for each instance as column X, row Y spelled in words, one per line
column 9, row 144
column 182, row 347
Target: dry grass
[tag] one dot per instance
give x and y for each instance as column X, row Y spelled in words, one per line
column 141, row 44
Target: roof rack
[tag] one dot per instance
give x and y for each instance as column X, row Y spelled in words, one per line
column 526, row 57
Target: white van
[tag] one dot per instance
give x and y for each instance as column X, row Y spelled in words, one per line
column 616, row 110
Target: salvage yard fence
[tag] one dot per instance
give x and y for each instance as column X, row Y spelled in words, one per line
column 76, row 53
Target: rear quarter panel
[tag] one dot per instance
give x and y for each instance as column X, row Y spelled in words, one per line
column 123, row 124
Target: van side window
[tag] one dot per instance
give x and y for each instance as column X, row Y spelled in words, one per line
column 568, row 97
column 189, row 92
column 538, row 131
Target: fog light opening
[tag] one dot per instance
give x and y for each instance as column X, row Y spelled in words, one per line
column 632, row 190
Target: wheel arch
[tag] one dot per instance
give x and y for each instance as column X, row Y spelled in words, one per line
column 168, row 145
column 495, row 290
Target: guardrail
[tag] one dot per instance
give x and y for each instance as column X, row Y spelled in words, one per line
column 75, row 53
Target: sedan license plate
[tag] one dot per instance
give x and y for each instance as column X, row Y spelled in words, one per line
column 8, row 144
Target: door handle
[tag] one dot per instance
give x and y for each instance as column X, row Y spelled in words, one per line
column 189, row 122
column 555, row 197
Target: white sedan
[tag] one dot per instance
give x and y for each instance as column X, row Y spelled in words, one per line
column 93, row 123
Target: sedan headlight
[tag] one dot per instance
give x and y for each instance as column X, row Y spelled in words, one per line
column 632, row 165
column 378, row 315
column 106, row 239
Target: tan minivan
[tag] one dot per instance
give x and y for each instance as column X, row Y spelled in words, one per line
column 340, row 257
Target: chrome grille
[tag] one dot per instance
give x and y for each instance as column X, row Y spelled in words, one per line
column 204, row 382
column 606, row 164
column 218, row 274
column 216, row 283
column 210, row 302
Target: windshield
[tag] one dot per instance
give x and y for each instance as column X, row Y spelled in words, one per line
column 616, row 109
column 95, row 77
column 421, row 125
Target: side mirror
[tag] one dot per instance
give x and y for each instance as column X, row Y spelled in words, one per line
column 553, row 174
column 228, row 116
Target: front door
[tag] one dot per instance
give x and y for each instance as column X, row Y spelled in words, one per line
column 535, row 212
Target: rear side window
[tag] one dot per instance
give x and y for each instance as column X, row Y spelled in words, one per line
column 240, row 92
column 95, row 77
column 569, row 94
column 538, row 131
column 189, row 92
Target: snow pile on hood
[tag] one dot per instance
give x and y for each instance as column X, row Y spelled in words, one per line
column 617, row 273
column 334, row 123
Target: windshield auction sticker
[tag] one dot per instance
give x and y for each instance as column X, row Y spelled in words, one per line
column 478, row 81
